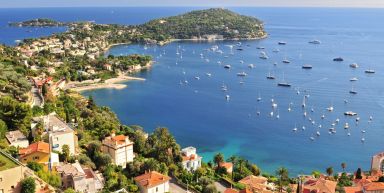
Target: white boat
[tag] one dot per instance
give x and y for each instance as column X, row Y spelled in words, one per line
column 275, row 50
column 271, row 113
column 251, row 66
column 312, row 138
column 362, row 140
column 208, row 74
column 330, row 109
column 369, row 71
column 227, row 66
column 353, row 91
column 353, row 79
column 318, row 133
column 346, row 126
column 303, row 104
column 274, row 105
column 197, row 77
column 294, row 129
column 286, row 61
column 354, row 65
column 259, row 98
column 303, row 128
column 270, row 76
column 227, row 97
column 350, row 113
column 241, row 74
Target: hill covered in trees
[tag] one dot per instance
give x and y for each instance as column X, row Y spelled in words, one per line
column 197, row 24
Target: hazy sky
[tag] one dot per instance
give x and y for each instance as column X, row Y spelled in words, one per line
column 204, row 3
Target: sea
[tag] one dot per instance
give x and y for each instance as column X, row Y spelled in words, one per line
column 184, row 89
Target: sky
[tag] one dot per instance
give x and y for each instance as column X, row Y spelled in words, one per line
column 194, row 3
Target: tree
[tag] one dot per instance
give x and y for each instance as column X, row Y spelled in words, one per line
column 3, row 129
column 343, row 165
column 329, row 171
column 28, row 185
column 283, row 177
column 35, row 166
column 358, row 174
column 69, row 190
column 64, row 155
column 255, row 170
column 218, row 158
column 381, row 179
column 316, row 173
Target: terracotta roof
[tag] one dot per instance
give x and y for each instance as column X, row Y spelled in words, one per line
column 246, row 190
column 253, row 180
column 230, row 190
column 186, row 158
column 353, row 189
column 35, row 147
column 151, row 179
column 320, row 185
column 374, row 186
column 226, row 165
column 118, row 138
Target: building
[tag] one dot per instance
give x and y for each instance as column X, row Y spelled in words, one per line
column 245, row 190
column 377, row 163
column 37, row 152
column 256, row 183
column 120, row 148
column 319, row 185
column 12, row 172
column 79, row 178
column 153, row 182
column 227, row 165
column 191, row 161
column 17, row 139
column 58, row 131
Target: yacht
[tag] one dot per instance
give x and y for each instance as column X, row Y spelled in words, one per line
column 227, row 66
column 294, row 129
column 312, row 138
column 306, row 66
column 270, row 76
column 251, row 66
column 346, row 126
column 353, row 79
column 338, row 59
column 284, row 83
column 354, row 65
column 260, row 48
column 370, row 71
column 286, row 61
column 241, row 74
column 303, row 104
column 263, row 55
column 350, row 113
column 275, row 50
column 197, row 77
column 315, row 42
column 259, row 98
column 281, row 43
column 353, row 91
column 208, row 74
column 318, row 133
column 227, row 97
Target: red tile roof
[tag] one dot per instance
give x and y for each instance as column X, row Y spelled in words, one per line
column 227, row 165
column 319, row 185
column 151, row 179
column 230, row 190
column 35, row 147
column 374, row 186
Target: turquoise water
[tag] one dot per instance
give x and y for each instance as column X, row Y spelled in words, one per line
column 198, row 114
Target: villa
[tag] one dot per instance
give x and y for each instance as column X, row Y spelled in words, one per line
column 319, row 185
column 153, row 182
column 191, row 161
column 256, row 183
column 79, row 178
column 37, row 152
column 120, row 148
column 58, row 131
column 17, row 139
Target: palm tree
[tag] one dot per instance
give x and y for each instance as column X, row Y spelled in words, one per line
column 343, row 165
column 219, row 158
column 283, row 176
column 329, row 171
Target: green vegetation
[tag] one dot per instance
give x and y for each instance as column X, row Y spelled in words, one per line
column 40, row 22
column 51, row 178
column 196, row 24
column 6, row 163
column 28, row 185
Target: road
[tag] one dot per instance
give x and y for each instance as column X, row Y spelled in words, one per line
column 220, row 187
column 174, row 188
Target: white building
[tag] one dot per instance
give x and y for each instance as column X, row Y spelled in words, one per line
column 191, row 161
column 58, row 131
column 153, row 182
column 120, row 148
column 17, row 139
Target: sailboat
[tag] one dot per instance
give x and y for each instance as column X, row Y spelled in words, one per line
column 353, row 91
column 259, row 98
column 270, row 76
column 284, row 83
column 303, row 104
column 294, row 129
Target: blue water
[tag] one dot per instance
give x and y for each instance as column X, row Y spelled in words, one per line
column 198, row 114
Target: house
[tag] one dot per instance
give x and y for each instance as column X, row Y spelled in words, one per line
column 120, row 148
column 58, row 131
column 79, row 178
column 374, row 187
column 320, row 185
column 256, row 183
column 17, row 139
column 37, row 152
column 191, row 161
column 107, row 67
column 377, row 163
column 12, row 172
column 228, row 166
column 153, row 182
column 231, row 190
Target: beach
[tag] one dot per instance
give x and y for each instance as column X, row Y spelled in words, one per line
column 113, row 83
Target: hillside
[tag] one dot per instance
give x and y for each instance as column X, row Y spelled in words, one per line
column 204, row 23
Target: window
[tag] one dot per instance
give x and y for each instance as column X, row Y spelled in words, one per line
column 157, row 189
column 1, row 179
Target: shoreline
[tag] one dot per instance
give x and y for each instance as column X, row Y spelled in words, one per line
column 112, row 83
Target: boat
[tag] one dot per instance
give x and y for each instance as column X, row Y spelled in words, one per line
column 208, row 74
column 318, row 133
column 258, row 113
column 241, row 61
column 306, row 66
column 303, row 104
column 270, row 76
column 312, row 138
column 284, row 83
column 350, row 113
column 362, row 140
column 294, row 129
column 263, row 55
column 346, row 126
column 274, row 105
column 354, row 65
column 259, row 98
column 314, row 42
column 338, row 59
column 197, row 77
column 271, row 113
column 286, row 61
column 227, row 97
column 303, row 128
column 281, row 43
column 240, row 49
column 227, row 66
column 276, row 50
column 241, row 74
column 330, row 109
column 369, row 71
column 251, row 66
column 353, row 91
column 353, row 79
column 260, row 48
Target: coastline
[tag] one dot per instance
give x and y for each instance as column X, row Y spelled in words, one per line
column 112, row 83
